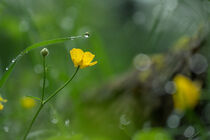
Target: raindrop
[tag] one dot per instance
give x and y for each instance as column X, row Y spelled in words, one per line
column 170, row 87
column 198, row 63
column 54, row 121
column 124, row 120
column 67, row 123
column 173, row 121
column 86, row 35
column 38, row 68
column 6, row 129
column 189, row 131
column 139, row 18
column 7, row 69
column 67, row 23
column 142, row 62
column 13, row 61
column 24, row 26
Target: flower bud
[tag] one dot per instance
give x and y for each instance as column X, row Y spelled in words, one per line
column 44, row 52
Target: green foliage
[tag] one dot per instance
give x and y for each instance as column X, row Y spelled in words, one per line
column 119, row 30
column 64, row 137
column 153, row 134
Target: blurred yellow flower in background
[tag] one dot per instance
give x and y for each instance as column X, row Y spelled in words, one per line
column 27, row 102
column 187, row 93
column 82, row 59
column 2, row 101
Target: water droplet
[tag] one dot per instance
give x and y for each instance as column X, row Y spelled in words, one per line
column 170, row 87
column 67, row 123
column 7, row 69
column 124, row 120
column 38, row 68
column 54, row 121
column 86, row 35
column 198, row 63
column 24, row 26
column 173, row 121
column 189, row 131
column 139, row 18
column 6, row 129
column 13, row 61
column 142, row 62
column 67, row 23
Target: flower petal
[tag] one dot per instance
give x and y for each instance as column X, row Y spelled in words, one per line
column 87, row 58
column 76, row 56
column 1, row 106
column 2, row 100
column 93, row 63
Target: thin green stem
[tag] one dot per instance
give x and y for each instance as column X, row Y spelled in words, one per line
column 44, row 78
column 32, row 122
column 48, row 99
column 59, row 89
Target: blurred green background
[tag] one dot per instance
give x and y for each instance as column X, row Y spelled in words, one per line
column 119, row 30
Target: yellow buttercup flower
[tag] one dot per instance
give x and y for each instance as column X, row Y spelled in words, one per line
column 28, row 102
column 187, row 93
column 82, row 59
column 2, row 101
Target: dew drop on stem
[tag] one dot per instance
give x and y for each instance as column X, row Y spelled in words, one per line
column 13, row 60
column 86, row 35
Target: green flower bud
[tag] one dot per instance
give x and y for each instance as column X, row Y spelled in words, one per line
column 44, row 52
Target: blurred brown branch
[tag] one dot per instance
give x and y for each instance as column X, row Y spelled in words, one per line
column 142, row 93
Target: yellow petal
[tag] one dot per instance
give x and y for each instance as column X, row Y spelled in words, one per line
column 93, row 63
column 1, row 106
column 87, row 58
column 187, row 93
column 76, row 56
column 2, row 100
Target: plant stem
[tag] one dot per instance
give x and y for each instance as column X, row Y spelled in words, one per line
column 44, row 79
column 32, row 122
column 59, row 89
column 48, row 99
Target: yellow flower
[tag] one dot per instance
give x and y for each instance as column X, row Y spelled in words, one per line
column 82, row 59
column 187, row 93
column 2, row 101
column 28, row 102
column 1, row 106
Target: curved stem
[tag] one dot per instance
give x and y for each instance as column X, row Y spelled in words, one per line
column 44, row 79
column 59, row 89
column 48, row 99
column 32, row 122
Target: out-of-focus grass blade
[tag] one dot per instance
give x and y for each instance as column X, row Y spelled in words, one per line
column 36, row 98
column 11, row 66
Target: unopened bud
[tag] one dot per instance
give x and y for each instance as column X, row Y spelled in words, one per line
column 44, row 52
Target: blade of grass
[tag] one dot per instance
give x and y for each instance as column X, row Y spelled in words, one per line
column 33, row 97
column 11, row 66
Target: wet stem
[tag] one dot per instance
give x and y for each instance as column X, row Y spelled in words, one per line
column 43, row 102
